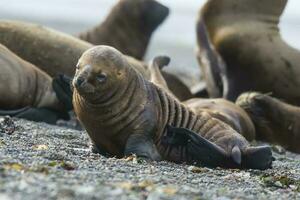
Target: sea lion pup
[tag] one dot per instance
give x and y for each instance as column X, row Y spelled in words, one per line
column 246, row 36
column 129, row 26
column 123, row 114
column 27, row 92
column 274, row 120
column 57, row 53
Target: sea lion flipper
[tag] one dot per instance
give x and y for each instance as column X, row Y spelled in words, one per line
column 14, row 112
column 155, row 71
column 142, row 146
column 213, row 66
column 236, row 155
column 202, row 150
column 97, row 149
column 62, row 87
column 36, row 114
column 258, row 158
column 161, row 61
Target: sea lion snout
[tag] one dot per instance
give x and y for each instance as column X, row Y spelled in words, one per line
column 79, row 82
column 83, row 80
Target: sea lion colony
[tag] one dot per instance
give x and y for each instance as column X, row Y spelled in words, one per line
column 154, row 123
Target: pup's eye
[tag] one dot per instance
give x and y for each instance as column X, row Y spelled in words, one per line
column 101, row 78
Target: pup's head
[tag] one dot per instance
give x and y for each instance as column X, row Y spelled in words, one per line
column 100, row 72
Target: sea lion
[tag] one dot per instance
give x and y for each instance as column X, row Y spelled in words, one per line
column 123, row 114
column 245, row 34
column 52, row 51
column 57, row 53
column 226, row 112
column 274, row 120
column 129, row 26
column 221, row 109
column 28, row 92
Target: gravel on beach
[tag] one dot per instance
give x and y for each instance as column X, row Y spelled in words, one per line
column 41, row 161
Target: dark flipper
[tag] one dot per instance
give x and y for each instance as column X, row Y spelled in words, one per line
column 213, row 66
column 201, row 150
column 101, row 151
column 62, row 87
column 206, row 153
column 13, row 112
column 161, row 61
column 35, row 114
column 258, row 158
column 142, row 146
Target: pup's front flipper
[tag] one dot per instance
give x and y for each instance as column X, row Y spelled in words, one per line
column 206, row 153
column 97, row 149
column 36, row 114
column 142, row 146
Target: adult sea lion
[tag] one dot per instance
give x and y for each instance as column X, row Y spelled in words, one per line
column 245, row 34
column 27, row 92
column 274, row 120
column 123, row 114
column 57, row 53
column 129, row 26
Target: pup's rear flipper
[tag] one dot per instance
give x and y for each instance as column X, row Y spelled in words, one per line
column 201, row 150
column 35, row 114
column 258, row 158
column 205, row 152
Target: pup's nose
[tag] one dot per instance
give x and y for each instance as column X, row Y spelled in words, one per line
column 79, row 82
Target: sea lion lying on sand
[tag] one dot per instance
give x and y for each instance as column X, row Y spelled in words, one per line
column 123, row 114
column 244, row 38
column 27, row 92
column 129, row 26
column 274, row 120
column 226, row 112
column 57, row 53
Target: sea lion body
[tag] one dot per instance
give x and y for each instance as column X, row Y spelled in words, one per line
column 123, row 113
column 57, row 53
column 226, row 112
column 52, row 51
column 23, row 84
column 275, row 121
column 246, row 36
column 129, row 26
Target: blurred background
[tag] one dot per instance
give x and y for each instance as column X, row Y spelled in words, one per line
column 176, row 37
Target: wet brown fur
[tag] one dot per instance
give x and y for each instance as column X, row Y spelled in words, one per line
column 275, row 121
column 226, row 112
column 55, row 52
column 246, row 35
column 23, row 84
column 111, row 117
